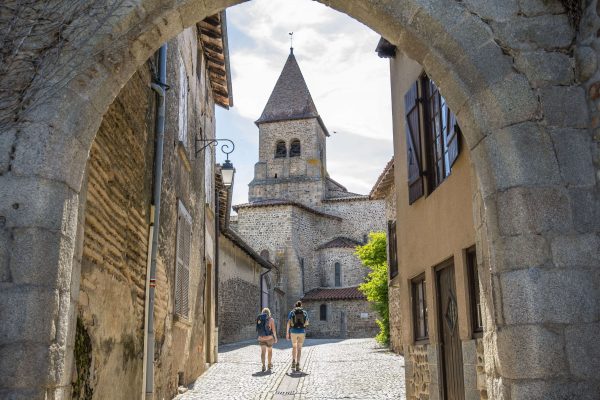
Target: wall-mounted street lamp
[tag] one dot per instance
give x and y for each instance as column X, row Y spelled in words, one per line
column 227, row 169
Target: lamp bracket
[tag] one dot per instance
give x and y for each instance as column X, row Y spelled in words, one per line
column 226, row 148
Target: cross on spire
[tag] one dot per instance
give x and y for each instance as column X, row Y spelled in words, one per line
column 291, row 42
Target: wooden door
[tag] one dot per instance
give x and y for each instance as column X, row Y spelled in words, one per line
column 450, row 345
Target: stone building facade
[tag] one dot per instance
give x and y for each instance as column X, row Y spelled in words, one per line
column 307, row 221
column 110, row 339
column 521, row 75
column 244, row 279
column 385, row 189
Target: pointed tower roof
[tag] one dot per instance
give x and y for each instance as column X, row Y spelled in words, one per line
column 290, row 98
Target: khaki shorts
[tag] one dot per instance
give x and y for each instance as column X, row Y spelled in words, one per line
column 266, row 341
column 298, row 338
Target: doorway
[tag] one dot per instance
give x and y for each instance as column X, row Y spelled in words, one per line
column 450, row 344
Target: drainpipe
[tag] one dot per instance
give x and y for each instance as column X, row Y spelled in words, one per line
column 216, row 274
column 160, row 88
column 262, row 288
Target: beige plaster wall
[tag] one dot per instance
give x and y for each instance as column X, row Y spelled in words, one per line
column 437, row 226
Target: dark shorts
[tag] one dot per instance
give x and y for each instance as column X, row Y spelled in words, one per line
column 266, row 341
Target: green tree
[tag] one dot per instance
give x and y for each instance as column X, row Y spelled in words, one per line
column 374, row 257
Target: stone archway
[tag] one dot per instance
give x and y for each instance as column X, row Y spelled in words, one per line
column 527, row 128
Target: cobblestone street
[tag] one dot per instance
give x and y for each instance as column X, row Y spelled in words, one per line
column 331, row 369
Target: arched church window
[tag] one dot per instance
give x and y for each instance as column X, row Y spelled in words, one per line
column 338, row 274
column 280, row 150
column 323, row 312
column 295, row 148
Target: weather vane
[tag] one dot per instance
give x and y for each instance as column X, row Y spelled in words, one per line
column 291, row 41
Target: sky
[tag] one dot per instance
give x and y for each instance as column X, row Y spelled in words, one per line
column 349, row 84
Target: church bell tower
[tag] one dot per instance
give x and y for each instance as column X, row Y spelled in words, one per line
column 292, row 143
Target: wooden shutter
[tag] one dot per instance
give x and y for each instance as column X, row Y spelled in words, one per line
column 392, row 251
column 453, row 138
column 413, row 144
column 182, row 262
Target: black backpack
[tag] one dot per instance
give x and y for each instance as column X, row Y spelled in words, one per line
column 262, row 325
column 298, row 318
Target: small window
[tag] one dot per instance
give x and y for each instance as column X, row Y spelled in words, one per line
column 280, row 150
column 474, row 293
column 295, row 148
column 392, row 250
column 183, row 103
column 419, row 306
column 323, row 312
column 338, row 274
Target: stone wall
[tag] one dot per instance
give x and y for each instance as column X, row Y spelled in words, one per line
column 359, row 217
column 292, row 178
column 396, row 320
column 353, row 273
column 239, row 293
column 421, row 372
column 345, row 319
column 113, row 268
column 116, row 236
column 474, row 369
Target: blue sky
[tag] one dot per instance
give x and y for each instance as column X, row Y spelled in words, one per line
column 348, row 82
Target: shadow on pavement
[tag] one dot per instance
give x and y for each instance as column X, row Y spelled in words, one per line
column 262, row 373
column 282, row 344
column 296, row 374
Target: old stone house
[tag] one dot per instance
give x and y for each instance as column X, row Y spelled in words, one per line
column 244, row 278
column 118, row 226
column 436, row 316
column 385, row 189
column 304, row 221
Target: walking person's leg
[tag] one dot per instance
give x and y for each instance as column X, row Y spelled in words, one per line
column 263, row 350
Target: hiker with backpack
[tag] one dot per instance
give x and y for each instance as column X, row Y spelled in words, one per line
column 267, row 336
column 297, row 323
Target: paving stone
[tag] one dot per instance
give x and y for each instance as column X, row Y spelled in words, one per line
column 331, row 369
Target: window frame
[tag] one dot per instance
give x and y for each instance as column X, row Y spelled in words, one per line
column 181, row 308
column 392, row 250
column 292, row 152
column 337, row 274
column 323, row 312
column 279, row 154
column 436, row 133
column 415, row 283
column 474, row 293
column 182, row 134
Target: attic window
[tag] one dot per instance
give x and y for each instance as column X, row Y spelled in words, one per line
column 295, row 148
column 280, row 150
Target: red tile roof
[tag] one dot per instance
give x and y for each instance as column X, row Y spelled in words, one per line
column 349, row 293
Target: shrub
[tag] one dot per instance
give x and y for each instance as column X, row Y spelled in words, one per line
column 373, row 256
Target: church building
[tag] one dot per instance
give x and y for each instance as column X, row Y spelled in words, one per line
column 303, row 221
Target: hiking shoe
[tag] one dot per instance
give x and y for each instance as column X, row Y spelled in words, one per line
column 297, row 367
column 263, row 368
column 270, row 367
column 293, row 365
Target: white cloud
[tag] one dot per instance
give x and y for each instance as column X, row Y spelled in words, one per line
column 348, row 82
